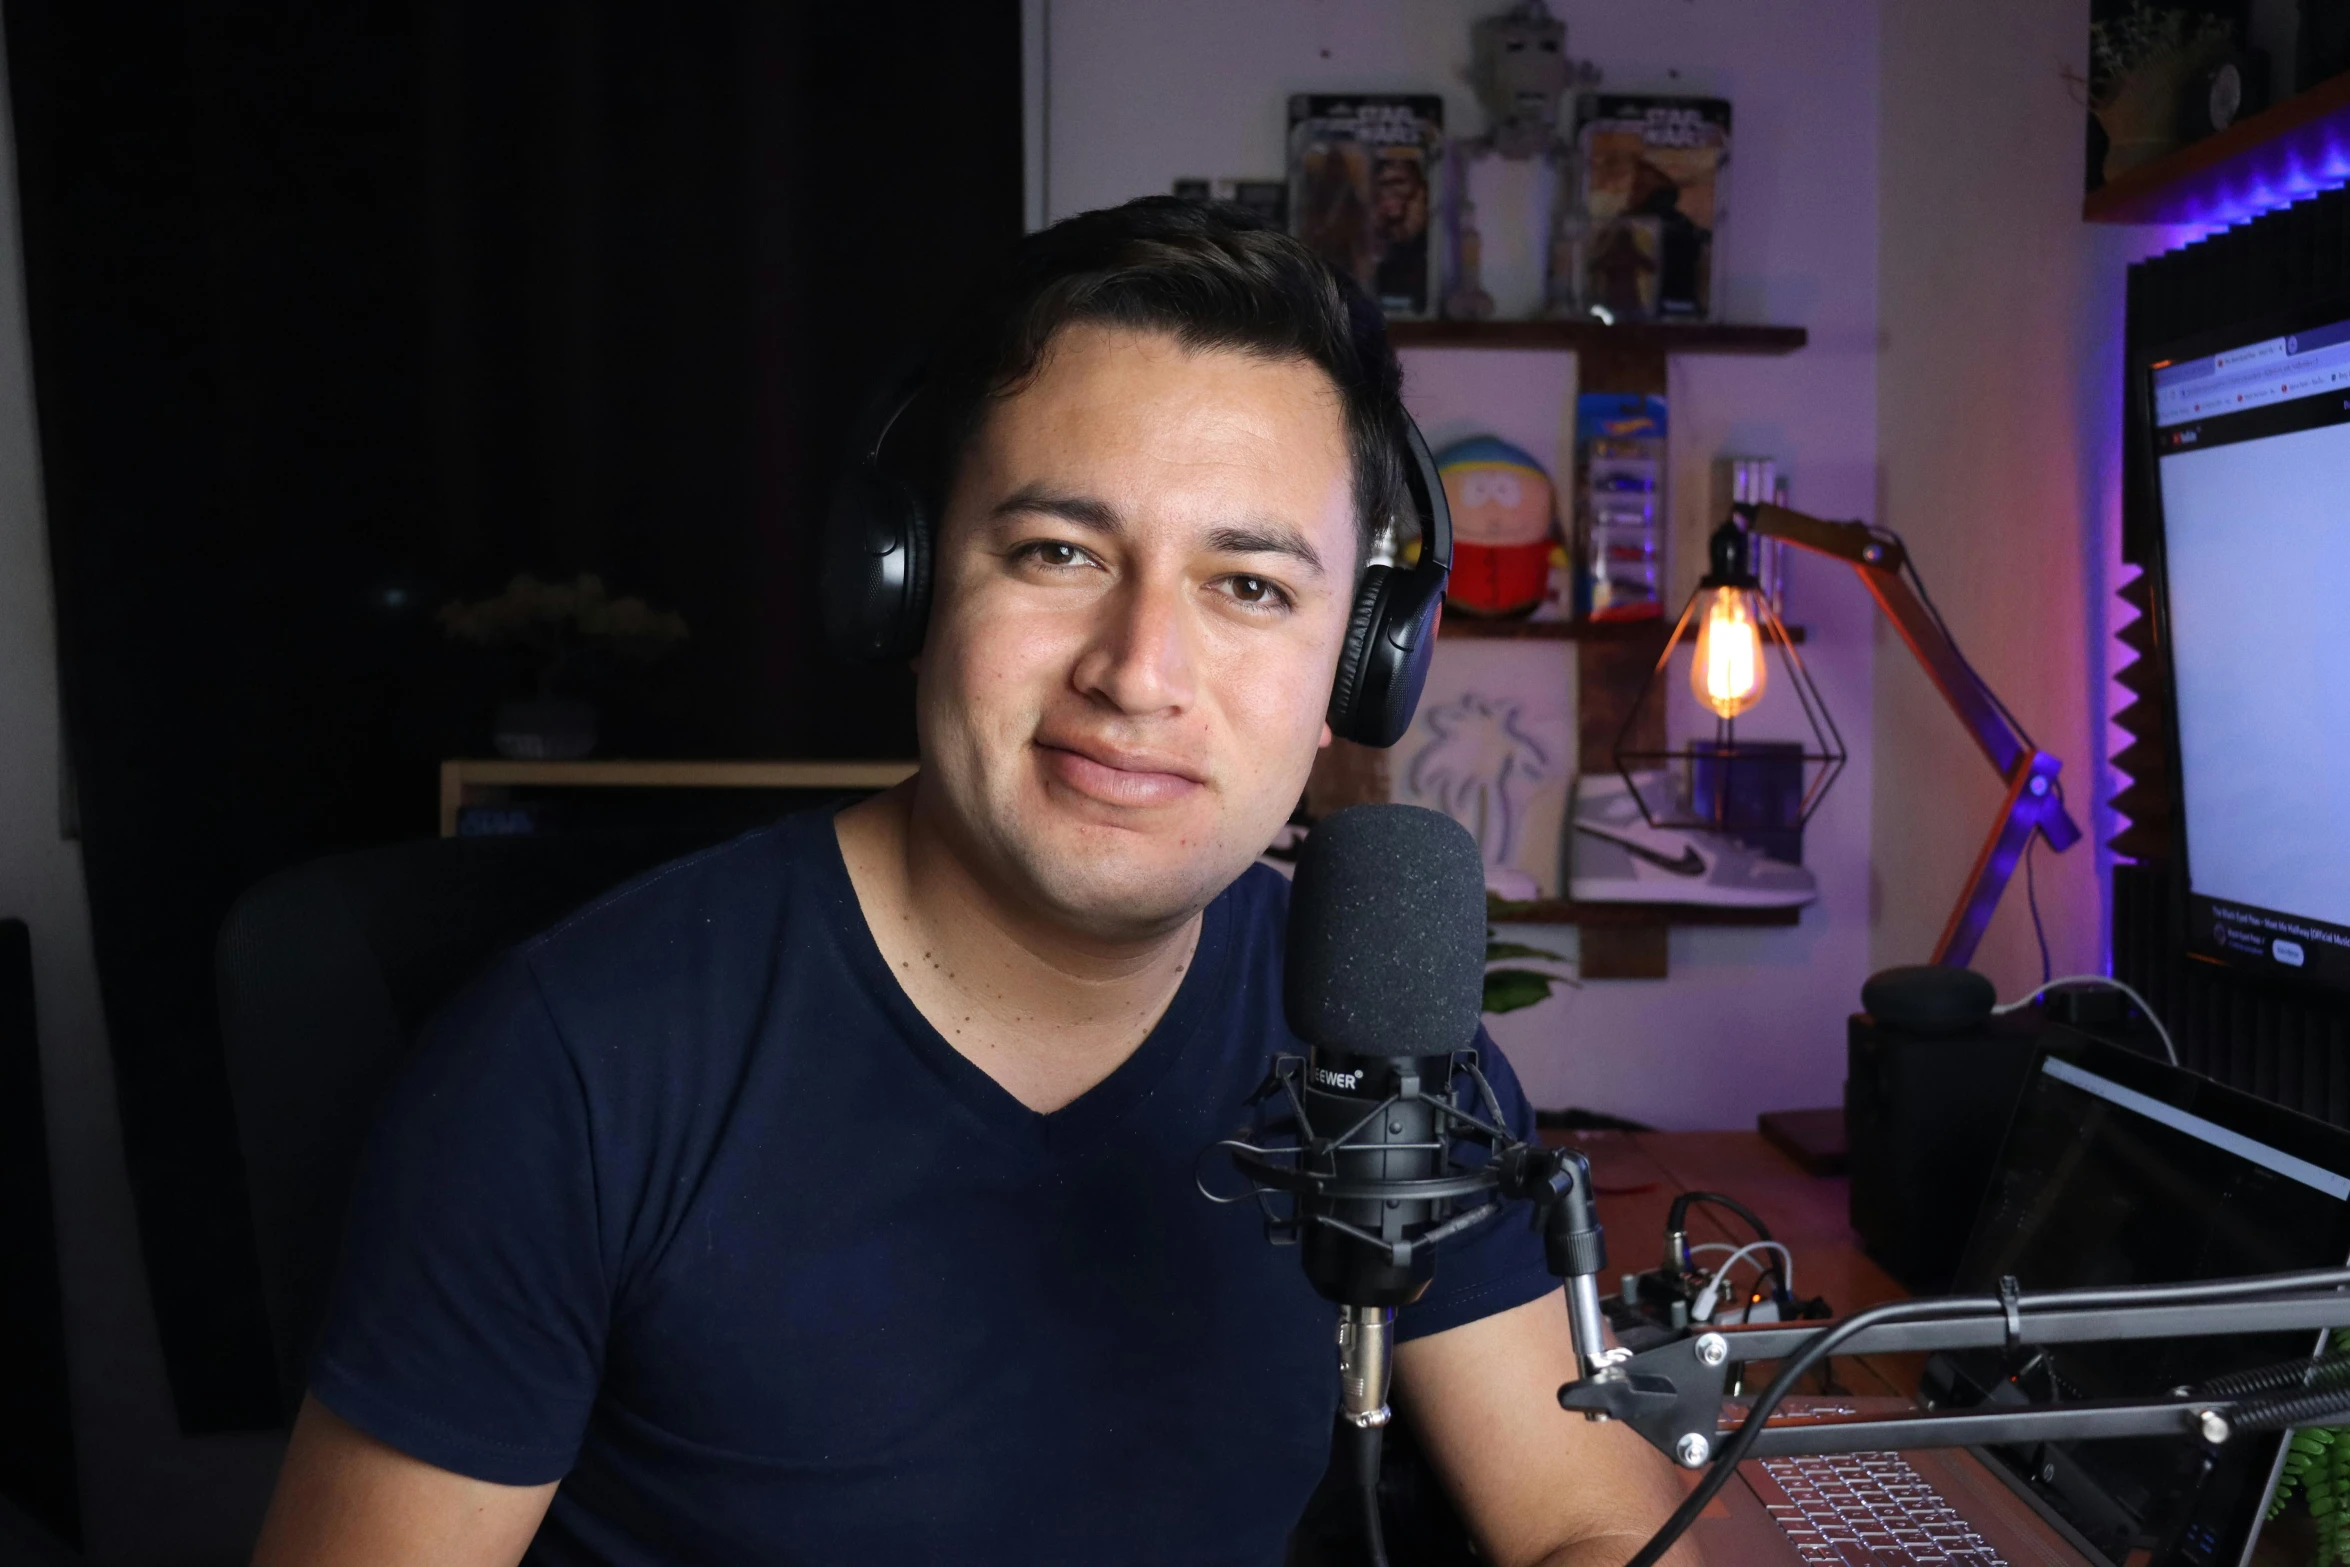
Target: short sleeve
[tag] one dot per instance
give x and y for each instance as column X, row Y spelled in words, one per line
column 1498, row 1264
column 467, row 1323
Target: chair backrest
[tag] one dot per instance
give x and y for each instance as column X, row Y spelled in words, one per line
column 36, row 1420
column 326, row 973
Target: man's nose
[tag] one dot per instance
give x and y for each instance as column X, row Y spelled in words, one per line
column 1140, row 657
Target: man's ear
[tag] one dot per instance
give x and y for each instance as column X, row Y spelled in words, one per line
column 1323, row 744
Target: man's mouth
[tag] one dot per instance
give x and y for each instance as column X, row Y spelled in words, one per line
column 1120, row 775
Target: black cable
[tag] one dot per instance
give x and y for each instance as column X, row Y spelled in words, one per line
column 1823, row 1343
column 1366, row 1454
column 2296, row 1375
column 2279, row 1413
column 1678, row 1223
column 1917, row 581
column 2032, row 898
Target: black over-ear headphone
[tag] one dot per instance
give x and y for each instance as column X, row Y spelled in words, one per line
column 879, row 542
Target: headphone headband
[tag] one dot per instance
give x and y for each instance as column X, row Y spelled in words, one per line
column 1427, row 487
column 885, row 414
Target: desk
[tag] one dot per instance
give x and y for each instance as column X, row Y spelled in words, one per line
column 1638, row 1174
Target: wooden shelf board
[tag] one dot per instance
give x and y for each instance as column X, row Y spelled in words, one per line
column 1470, row 628
column 2290, row 149
column 1668, row 337
column 1559, row 911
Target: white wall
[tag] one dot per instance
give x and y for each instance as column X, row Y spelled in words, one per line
column 1139, row 92
column 1999, row 429
column 149, row 1495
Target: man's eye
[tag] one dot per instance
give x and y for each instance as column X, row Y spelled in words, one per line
column 1054, row 554
column 1256, row 593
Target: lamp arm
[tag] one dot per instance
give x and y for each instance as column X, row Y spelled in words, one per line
column 2029, row 773
column 1877, row 561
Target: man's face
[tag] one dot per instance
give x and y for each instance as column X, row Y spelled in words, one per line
column 1145, row 572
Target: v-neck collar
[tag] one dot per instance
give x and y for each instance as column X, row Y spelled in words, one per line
column 1077, row 1124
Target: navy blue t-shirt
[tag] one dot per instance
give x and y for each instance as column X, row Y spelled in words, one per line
column 685, row 1205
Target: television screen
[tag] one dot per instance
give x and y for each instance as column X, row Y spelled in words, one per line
column 2252, row 463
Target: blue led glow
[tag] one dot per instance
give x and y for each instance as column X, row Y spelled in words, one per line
column 2223, row 197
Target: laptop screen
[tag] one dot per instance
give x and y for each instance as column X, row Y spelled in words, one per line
column 2122, row 1170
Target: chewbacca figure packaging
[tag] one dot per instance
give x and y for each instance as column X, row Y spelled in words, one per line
column 1360, row 171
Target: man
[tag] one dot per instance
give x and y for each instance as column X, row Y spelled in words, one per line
column 828, row 1197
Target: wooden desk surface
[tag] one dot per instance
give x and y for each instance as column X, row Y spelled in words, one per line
column 1638, row 1174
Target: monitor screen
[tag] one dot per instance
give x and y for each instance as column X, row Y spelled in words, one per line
column 2121, row 1170
column 2252, row 463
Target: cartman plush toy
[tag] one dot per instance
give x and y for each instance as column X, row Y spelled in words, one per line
column 1502, row 517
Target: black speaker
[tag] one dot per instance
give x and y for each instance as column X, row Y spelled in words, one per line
column 1924, row 1113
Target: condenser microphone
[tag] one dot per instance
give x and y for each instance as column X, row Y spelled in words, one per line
column 1384, row 981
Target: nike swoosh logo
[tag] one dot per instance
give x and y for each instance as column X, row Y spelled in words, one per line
column 1689, row 864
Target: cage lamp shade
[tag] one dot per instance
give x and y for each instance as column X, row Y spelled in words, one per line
column 1733, row 637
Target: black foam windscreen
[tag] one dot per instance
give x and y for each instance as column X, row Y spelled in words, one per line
column 1387, row 934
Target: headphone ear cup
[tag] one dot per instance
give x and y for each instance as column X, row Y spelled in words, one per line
column 1384, row 662
column 876, row 569
column 1362, row 627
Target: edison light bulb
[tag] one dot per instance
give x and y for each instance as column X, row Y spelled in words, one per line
column 1727, row 672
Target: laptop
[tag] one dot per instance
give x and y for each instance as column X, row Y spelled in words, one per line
column 2117, row 1169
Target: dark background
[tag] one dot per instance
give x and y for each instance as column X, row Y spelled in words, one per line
column 341, row 312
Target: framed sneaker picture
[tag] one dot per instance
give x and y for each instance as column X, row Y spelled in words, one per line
column 1493, row 747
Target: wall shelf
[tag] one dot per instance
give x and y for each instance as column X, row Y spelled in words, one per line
column 1468, row 628
column 1615, row 659
column 1628, row 916
column 1582, row 336
column 2288, row 150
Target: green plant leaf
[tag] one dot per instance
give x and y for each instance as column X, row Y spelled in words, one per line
column 1509, row 989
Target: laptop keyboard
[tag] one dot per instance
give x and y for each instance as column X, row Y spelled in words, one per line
column 1866, row 1510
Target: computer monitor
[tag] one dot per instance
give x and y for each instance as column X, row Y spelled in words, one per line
column 2118, row 1169
column 2251, row 450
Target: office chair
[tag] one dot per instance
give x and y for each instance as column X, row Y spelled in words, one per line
column 326, row 972
column 40, row 1508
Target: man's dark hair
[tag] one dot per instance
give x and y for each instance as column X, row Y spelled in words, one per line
column 1210, row 276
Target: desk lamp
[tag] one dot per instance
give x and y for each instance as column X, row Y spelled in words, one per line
column 1735, row 630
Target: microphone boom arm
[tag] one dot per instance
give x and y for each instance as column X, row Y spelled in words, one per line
column 1673, row 1395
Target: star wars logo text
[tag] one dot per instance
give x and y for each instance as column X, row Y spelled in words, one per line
column 1385, row 124
column 1665, row 126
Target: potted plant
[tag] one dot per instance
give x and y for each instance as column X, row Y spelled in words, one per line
column 564, row 637
column 2317, row 1467
column 1509, row 989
